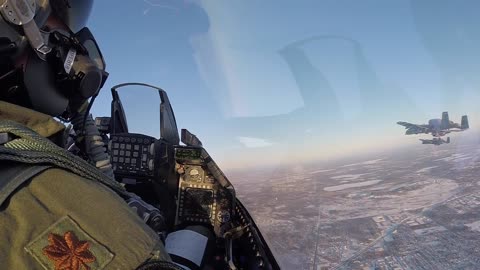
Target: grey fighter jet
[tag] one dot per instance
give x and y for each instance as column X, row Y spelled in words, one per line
column 437, row 127
column 435, row 141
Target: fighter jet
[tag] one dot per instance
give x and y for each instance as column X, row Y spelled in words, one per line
column 437, row 127
column 435, row 141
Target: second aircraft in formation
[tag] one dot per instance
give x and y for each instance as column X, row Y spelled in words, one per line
column 436, row 127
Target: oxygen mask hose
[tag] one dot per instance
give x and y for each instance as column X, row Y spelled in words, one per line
column 94, row 146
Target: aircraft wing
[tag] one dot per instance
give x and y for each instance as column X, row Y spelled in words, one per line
column 408, row 125
column 414, row 129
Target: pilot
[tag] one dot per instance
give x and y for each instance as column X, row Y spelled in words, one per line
column 53, row 217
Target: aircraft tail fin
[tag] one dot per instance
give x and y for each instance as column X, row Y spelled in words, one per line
column 464, row 124
column 445, row 120
column 448, row 139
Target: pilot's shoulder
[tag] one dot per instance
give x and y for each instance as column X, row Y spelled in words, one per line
column 58, row 207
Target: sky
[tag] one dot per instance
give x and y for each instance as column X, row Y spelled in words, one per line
column 274, row 82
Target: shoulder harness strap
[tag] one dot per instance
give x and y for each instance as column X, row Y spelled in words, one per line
column 159, row 265
column 29, row 147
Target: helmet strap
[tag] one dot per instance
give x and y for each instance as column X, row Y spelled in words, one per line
column 22, row 12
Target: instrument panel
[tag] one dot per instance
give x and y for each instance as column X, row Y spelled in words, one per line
column 132, row 155
column 204, row 195
column 196, row 198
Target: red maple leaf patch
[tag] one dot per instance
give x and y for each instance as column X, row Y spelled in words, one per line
column 67, row 252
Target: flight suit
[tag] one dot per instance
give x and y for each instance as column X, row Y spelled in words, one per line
column 59, row 220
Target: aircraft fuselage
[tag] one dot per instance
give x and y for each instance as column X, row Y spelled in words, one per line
column 435, row 141
column 437, row 127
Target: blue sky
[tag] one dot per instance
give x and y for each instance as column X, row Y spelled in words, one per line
column 269, row 82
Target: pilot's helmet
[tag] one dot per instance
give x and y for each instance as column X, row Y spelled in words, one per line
column 49, row 61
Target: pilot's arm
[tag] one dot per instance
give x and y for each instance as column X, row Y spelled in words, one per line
column 59, row 220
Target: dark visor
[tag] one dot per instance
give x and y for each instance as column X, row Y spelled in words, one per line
column 74, row 13
column 86, row 38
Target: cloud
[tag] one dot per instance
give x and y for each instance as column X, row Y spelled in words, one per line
column 158, row 4
column 250, row 142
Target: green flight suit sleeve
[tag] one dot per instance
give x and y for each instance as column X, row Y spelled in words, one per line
column 59, row 219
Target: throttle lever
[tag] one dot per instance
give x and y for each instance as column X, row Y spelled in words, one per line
column 229, row 235
column 236, row 232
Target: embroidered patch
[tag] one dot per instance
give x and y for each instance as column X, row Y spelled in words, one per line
column 68, row 252
column 64, row 245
